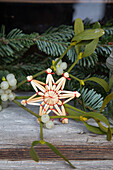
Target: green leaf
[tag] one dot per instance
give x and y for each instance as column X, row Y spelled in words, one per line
column 96, row 116
column 89, row 49
column 33, row 154
column 109, row 134
column 94, row 129
column 32, row 151
column 78, row 26
column 77, row 48
column 100, row 81
column 106, row 100
column 111, row 82
column 35, row 143
column 55, row 150
column 84, row 42
column 88, row 35
column 96, row 25
column 103, row 128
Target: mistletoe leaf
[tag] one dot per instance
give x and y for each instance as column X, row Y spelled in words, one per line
column 88, row 35
column 89, row 49
column 111, row 82
column 55, row 150
column 33, row 154
column 100, row 81
column 35, row 143
column 103, row 128
column 97, row 116
column 108, row 130
column 96, row 25
column 109, row 134
column 106, row 100
column 78, row 26
column 93, row 129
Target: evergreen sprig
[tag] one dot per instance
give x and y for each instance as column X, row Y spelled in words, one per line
column 92, row 99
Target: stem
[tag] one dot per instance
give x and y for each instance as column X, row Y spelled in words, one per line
column 74, row 77
column 82, row 98
column 63, row 55
column 28, row 110
column 70, row 117
column 73, row 108
column 24, row 81
column 41, row 130
column 73, row 65
column 22, row 97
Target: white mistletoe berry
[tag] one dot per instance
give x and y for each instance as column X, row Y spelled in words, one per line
column 8, row 91
column 10, row 76
column 12, row 82
column 13, row 87
column 45, row 118
column 60, row 67
column 49, row 124
column 63, row 65
column 1, row 91
column 4, row 85
column 59, row 70
column 11, row 96
column 4, row 97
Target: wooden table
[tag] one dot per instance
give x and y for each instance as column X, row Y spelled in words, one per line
column 18, row 129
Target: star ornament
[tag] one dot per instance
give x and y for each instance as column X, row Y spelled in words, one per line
column 52, row 95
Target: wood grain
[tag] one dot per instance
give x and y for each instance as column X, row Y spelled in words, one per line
column 78, row 152
column 56, row 165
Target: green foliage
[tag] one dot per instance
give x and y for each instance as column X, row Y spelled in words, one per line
column 92, row 99
column 78, row 26
column 94, row 129
column 89, row 61
column 35, row 157
column 101, row 82
column 103, row 50
column 84, row 116
column 90, row 47
column 55, row 41
column 106, row 101
column 33, row 154
column 13, row 43
column 88, row 35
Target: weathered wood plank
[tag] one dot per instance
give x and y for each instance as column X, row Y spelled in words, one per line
column 56, row 165
column 77, row 152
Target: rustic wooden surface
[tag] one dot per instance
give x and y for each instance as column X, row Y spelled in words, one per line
column 18, row 129
column 55, row 165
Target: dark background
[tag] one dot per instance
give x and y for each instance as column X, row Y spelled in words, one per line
column 39, row 17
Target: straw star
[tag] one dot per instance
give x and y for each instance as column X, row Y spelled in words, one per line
column 50, row 95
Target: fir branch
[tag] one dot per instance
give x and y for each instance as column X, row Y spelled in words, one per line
column 92, row 99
